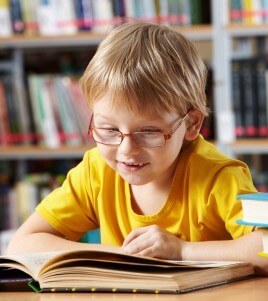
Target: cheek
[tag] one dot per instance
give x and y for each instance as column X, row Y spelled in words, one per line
column 107, row 153
column 171, row 151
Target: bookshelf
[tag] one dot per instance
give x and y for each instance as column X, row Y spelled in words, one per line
column 226, row 33
column 250, row 146
column 195, row 33
column 25, row 152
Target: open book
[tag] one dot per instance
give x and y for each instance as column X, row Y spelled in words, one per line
column 108, row 270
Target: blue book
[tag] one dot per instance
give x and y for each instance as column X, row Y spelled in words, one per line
column 18, row 25
column 255, row 209
column 84, row 14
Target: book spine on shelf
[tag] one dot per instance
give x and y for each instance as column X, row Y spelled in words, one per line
column 249, row 104
column 4, row 122
column 237, row 99
column 16, row 16
column 260, row 84
column 236, row 11
column 248, row 11
column 66, row 17
column 265, row 11
column 5, row 19
column 196, row 12
column 29, row 15
column 56, row 17
column 84, row 14
column 118, row 10
column 102, row 15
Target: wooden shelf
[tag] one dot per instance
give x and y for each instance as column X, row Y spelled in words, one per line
column 89, row 38
column 197, row 32
column 37, row 41
column 39, row 152
column 250, row 146
column 243, row 30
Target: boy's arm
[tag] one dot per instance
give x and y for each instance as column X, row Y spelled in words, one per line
column 36, row 235
column 156, row 242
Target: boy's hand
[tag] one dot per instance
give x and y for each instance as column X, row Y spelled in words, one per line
column 153, row 241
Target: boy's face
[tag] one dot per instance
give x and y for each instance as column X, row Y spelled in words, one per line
column 139, row 165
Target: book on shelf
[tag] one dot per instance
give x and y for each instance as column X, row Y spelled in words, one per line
column 106, row 269
column 84, row 14
column 237, row 100
column 29, row 16
column 59, row 110
column 4, row 124
column 56, row 17
column 15, row 125
column 16, row 16
column 5, row 19
column 248, row 11
column 249, row 96
column 261, row 97
column 249, row 106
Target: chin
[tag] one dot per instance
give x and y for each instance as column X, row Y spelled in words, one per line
column 134, row 180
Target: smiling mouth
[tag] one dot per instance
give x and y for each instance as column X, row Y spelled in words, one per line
column 133, row 165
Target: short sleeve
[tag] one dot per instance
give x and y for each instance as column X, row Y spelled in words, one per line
column 69, row 208
column 229, row 182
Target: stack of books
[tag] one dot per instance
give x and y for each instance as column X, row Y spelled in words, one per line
column 255, row 213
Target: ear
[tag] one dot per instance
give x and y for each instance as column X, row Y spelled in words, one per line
column 194, row 123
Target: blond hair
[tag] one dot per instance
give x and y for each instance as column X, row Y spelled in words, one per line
column 148, row 68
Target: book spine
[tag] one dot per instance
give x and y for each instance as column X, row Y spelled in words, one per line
column 260, row 69
column 47, row 17
column 163, row 11
column 102, row 15
column 4, row 121
column 257, row 7
column 247, row 11
column 236, row 11
column 248, row 97
column 237, row 99
column 84, row 14
column 16, row 16
column 5, row 19
column 265, row 11
column 29, row 10
column 66, row 17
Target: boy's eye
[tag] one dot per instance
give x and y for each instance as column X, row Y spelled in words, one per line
column 111, row 129
column 150, row 131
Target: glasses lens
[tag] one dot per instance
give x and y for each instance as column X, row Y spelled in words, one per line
column 106, row 136
column 149, row 139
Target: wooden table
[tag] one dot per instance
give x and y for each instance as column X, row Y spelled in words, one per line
column 247, row 290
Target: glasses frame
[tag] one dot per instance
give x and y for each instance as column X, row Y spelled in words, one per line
column 166, row 136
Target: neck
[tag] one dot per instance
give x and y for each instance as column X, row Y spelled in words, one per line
column 148, row 199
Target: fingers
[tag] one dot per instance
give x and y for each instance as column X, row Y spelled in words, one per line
column 146, row 241
column 133, row 235
column 154, row 241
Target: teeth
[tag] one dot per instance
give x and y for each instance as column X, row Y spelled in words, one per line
column 132, row 164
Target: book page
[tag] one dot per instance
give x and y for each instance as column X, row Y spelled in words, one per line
column 30, row 262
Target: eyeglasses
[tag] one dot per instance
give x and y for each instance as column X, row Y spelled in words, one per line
column 146, row 138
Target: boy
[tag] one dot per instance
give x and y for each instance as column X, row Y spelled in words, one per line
column 153, row 185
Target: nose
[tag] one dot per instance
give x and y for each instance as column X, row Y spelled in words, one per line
column 128, row 145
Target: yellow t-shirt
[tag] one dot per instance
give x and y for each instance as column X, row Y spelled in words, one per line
column 201, row 205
